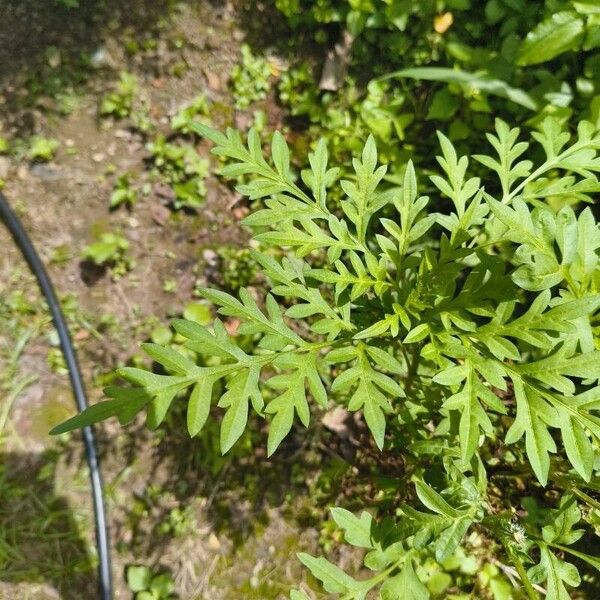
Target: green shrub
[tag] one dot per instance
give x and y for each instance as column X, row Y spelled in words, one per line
column 522, row 60
column 463, row 325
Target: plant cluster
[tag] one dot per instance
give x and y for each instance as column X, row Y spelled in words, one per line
column 119, row 102
column 147, row 586
column 180, row 166
column 510, row 58
column 250, row 79
column 463, row 325
column 123, row 192
column 110, row 250
column 42, row 149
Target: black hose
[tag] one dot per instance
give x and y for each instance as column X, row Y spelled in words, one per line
column 22, row 240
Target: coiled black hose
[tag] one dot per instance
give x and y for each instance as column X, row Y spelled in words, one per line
column 22, row 240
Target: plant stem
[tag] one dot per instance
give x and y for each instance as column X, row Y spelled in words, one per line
column 586, row 498
column 516, row 561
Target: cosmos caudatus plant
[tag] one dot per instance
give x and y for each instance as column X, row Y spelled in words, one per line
column 466, row 322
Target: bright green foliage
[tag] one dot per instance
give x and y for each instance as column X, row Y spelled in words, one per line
column 120, row 102
column 110, row 249
column 250, row 79
column 478, row 306
column 147, row 586
column 42, row 149
column 194, row 111
column 123, row 193
column 540, row 55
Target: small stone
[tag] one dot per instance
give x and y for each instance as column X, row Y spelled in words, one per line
column 210, row 256
column 213, row 542
column 4, row 166
column 122, row 134
column 239, row 212
column 212, row 79
column 160, row 214
column 232, row 326
column 164, row 191
column 336, row 420
column 98, row 156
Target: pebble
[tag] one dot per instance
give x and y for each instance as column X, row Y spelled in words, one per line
column 210, row 256
column 4, row 167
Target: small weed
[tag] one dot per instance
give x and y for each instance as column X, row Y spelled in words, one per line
column 147, row 586
column 238, row 269
column 250, row 79
column 179, row 522
column 56, row 361
column 42, row 149
column 119, row 103
column 110, row 250
column 297, row 90
column 194, row 111
column 169, row 286
column 123, row 193
column 183, row 169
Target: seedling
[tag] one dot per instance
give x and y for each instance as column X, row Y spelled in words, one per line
column 119, row 103
column 147, row 586
column 250, row 79
column 123, row 193
column 110, row 250
column 42, row 149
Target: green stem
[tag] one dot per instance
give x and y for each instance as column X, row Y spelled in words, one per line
column 518, row 564
column 586, row 498
column 373, row 581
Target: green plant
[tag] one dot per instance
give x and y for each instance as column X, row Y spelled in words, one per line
column 123, row 193
column 461, row 325
column 147, row 586
column 467, row 59
column 42, row 149
column 237, row 268
column 183, row 169
column 120, row 102
column 110, row 250
column 250, row 79
column 183, row 119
